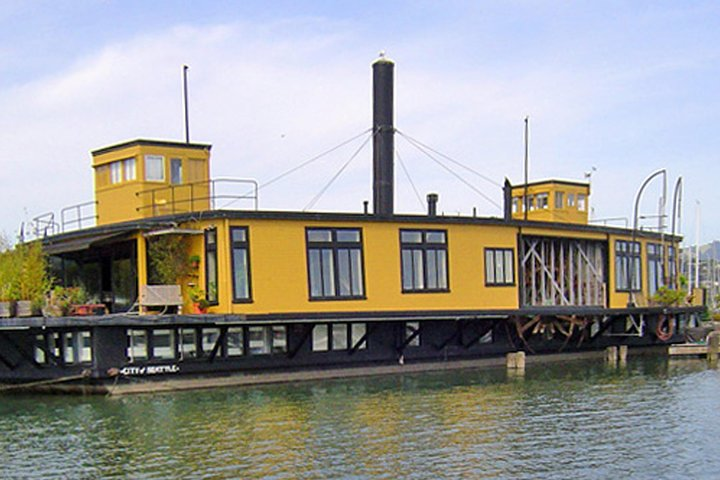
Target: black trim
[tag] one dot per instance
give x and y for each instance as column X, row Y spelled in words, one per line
column 424, row 246
column 246, row 246
column 211, row 248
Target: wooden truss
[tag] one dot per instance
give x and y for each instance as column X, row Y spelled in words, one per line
column 563, row 272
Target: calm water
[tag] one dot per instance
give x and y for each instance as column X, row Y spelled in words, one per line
column 654, row 419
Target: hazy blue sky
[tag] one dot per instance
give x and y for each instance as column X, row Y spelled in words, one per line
column 625, row 87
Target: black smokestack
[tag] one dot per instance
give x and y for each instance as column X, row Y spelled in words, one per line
column 384, row 140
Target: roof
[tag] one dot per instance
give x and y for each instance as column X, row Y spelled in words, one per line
column 151, row 143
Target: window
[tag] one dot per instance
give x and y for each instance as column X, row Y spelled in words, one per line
column 129, row 168
column 655, row 267
column 263, row 340
column 335, row 263
column 78, row 347
column 209, row 339
column 412, row 328
column 531, row 203
column 240, row 264
column 571, row 200
column 235, row 346
column 559, row 200
column 164, row 344
column 137, row 345
column 499, row 267
column 115, row 172
column 424, row 260
column 175, row 171
column 542, row 200
column 516, row 204
column 358, row 336
column 628, row 270
column 155, row 168
column 581, row 202
column 188, row 343
column 337, row 336
column 211, row 272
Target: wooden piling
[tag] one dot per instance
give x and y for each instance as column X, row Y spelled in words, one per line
column 611, row 355
column 623, row 354
column 713, row 343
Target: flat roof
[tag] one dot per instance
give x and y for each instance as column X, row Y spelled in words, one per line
column 151, row 143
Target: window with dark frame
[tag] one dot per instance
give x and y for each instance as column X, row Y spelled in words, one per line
column 211, row 266
column 628, row 266
column 672, row 265
column 655, row 267
column 335, row 263
column 338, row 336
column 424, row 261
column 499, row 267
column 240, row 264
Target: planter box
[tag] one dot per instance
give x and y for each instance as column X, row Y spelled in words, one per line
column 24, row 308
column 7, row 309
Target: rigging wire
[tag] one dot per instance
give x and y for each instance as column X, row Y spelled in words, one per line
column 421, row 148
column 339, row 172
column 469, row 169
column 407, row 174
column 303, row 164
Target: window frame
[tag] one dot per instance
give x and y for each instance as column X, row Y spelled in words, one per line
column 424, row 246
column 147, row 159
column 129, row 168
column 656, row 261
column 211, row 248
column 629, row 259
column 493, row 255
column 116, row 173
column 176, row 161
column 238, row 245
column 335, row 246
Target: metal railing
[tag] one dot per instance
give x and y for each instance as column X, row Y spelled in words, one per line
column 76, row 217
column 195, row 196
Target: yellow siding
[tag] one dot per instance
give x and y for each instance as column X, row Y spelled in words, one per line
column 279, row 275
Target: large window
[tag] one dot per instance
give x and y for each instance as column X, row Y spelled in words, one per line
column 211, row 267
column 424, row 260
column 335, row 263
column 655, row 267
column 628, row 268
column 155, row 168
column 499, row 267
column 240, row 264
column 338, row 336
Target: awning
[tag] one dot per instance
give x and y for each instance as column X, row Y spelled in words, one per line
column 78, row 244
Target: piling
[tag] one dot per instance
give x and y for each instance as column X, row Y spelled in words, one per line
column 713, row 346
column 515, row 361
column 611, row 355
column 622, row 354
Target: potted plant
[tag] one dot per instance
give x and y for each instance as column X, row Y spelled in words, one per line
column 33, row 279
column 198, row 299
column 61, row 299
column 194, row 261
column 9, row 273
column 168, row 259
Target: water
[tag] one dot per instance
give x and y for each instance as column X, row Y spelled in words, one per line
column 654, row 419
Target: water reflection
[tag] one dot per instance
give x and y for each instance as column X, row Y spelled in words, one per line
column 650, row 419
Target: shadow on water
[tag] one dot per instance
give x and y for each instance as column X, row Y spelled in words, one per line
column 650, row 419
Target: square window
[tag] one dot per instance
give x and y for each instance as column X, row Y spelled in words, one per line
column 155, row 168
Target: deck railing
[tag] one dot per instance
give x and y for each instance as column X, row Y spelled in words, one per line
column 196, row 196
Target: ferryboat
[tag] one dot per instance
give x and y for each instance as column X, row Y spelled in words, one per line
column 278, row 295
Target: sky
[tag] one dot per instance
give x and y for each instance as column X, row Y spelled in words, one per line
column 614, row 88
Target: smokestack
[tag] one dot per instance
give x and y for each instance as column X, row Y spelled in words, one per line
column 384, row 139
column 432, row 199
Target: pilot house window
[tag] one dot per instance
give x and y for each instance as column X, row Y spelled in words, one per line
column 424, row 260
column 155, row 168
column 335, row 266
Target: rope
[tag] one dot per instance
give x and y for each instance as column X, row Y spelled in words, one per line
column 421, row 148
column 407, row 174
column 665, row 335
column 339, row 172
column 22, row 386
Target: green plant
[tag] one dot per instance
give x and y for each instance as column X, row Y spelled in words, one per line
column 168, row 259
column 9, row 276
column 667, row 296
column 62, row 298
column 194, row 261
column 198, row 297
column 33, row 280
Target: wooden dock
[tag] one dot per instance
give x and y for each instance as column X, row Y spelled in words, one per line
column 688, row 349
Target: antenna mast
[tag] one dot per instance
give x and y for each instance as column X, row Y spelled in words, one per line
column 185, row 104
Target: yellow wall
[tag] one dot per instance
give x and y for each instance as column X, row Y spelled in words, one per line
column 565, row 214
column 279, row 276
column 131, row 199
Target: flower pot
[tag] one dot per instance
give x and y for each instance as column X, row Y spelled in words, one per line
column 7, row 309
column 24, row 308
column 197, row 309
